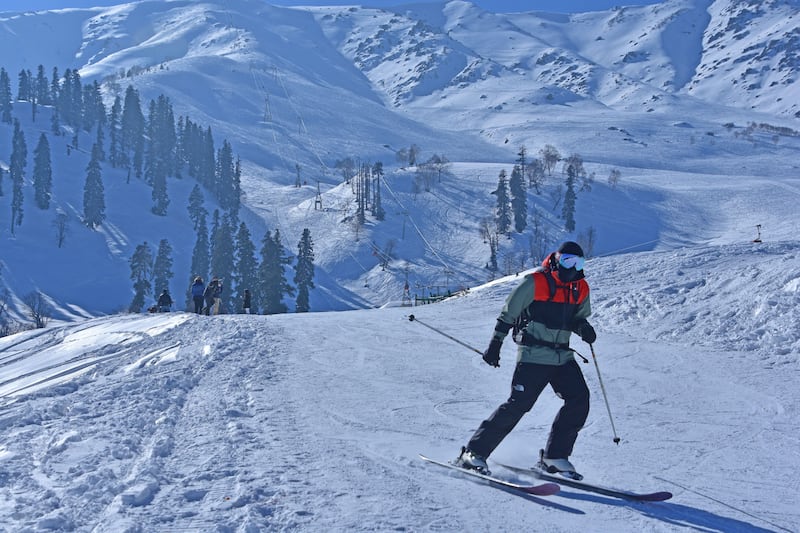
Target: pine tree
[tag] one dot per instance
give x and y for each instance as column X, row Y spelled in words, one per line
column 115, row 153
column 246, row 268
column 94, row 110
column 141, row 272
column 304, row 271
column 70, row 99
column 160, row 151
column 55, row 123
column 227, row 180
column 196, row 208
column 100, row 140
column 94, row 202
column 522, row 160
column 377, row 207
column 503, row 209
column 162, row 268
column 519, row 199
column 5, row 97
column 200, row 253
column 42, row 173
column 159, row 195
column 132, row 129
column 272, row 284
column 573, row 167
column 180, row 148
column 222, row 254
column 42, row 88
column 24, row 92
column 55, row 86
column 19, row 160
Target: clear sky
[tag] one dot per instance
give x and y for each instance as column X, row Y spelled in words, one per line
column 497, row 6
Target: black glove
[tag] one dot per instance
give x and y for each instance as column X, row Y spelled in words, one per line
column 492, row 353
column 586, row 331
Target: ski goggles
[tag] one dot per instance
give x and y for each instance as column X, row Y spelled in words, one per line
column 571, row 261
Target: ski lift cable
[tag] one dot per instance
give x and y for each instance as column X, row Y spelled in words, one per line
column 416, row 227
column 314, row 148
column 262, row 88
column 358, row 262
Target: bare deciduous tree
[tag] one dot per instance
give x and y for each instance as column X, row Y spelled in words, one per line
column 6, row 324
column 60, row 223
column 550, row 157
column 535, row 174
column 39, row 309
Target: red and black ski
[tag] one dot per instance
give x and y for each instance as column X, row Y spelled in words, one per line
column 659, row 496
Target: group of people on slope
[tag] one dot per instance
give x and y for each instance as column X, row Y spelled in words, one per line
column 207, row 298
column 211, row 296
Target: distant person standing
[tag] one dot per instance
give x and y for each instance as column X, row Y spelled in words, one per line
column 218, row 296
column 246, row 305
column 164, row 302
column 198, row 287
column 208, row 296
column 213, row 296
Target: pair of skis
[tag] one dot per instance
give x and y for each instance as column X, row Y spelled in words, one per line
column 552, row 484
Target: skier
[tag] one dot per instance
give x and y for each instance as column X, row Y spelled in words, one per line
column 164, row 302
column 544, row 310
column 197, row 294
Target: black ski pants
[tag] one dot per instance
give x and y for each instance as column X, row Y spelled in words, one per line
column 527, row 384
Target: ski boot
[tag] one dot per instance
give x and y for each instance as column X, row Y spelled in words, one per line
column 470, row 460
column 557, row 466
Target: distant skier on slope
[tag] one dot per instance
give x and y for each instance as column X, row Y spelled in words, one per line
column 544, row 310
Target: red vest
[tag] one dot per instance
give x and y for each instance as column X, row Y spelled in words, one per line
column 555, row 303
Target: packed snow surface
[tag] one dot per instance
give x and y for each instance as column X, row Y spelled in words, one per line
column 313, row 422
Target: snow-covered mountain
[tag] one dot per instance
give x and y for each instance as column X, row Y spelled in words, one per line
column 647, row 91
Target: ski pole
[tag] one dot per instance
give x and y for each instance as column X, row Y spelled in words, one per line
column 412, row 318
column 605, row 397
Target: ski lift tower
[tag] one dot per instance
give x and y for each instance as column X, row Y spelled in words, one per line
column 318, row 199
column 406, row 301
column 758, row 238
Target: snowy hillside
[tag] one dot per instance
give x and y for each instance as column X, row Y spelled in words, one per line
column 313, row 422
column 631, row 89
